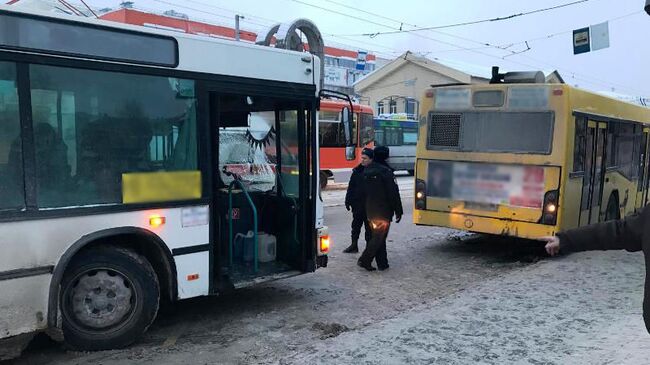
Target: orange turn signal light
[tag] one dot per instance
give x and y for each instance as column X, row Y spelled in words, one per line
column 192, row 277
column 156, row 221
column 325, row 244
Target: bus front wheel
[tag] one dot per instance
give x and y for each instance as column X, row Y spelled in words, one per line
column 323, row 179
column 110, row 296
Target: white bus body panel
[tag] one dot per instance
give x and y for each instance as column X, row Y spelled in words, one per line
column 41, row 243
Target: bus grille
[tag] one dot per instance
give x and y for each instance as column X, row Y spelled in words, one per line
column 445, row 130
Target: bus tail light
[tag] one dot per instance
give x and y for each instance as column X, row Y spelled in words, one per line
column 549, row 213
column 420, row 194
column 325, row 244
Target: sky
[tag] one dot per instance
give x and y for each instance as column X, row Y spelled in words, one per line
column 622, row 68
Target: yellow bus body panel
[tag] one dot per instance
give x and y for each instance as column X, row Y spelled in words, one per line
column 564, row 101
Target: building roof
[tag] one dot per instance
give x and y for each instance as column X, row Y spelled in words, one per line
column 409, row 58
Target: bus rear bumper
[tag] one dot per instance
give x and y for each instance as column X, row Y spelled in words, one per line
column 478, row 224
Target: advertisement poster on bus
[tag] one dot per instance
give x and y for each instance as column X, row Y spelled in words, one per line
column 484, row 183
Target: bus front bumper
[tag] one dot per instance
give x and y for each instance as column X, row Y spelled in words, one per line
column 478, row 224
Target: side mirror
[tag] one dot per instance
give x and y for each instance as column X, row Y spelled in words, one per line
column 350, row 153
column 346, row 119
column 647, row 6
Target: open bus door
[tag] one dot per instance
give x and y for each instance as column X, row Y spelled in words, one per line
column 346, row 119
column 260, row 158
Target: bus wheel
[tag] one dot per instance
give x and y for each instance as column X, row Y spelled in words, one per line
column 612, row 211
column 110, row 296
column 323, row 179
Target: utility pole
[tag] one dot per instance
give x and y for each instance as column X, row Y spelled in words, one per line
column 237, row 17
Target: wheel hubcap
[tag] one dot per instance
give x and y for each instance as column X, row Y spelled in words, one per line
column 101, row 298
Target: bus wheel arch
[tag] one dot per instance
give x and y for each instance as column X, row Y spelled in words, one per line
column 613, row 211
column 142, row 242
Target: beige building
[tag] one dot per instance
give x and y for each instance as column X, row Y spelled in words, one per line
column 398, row 86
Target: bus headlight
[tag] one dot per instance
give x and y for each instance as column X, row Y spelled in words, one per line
column 420, row 194
column 549, row 212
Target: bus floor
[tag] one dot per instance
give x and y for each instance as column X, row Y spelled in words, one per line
column 243, row 274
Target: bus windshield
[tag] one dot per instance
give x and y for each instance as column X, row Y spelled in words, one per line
column 396, row 132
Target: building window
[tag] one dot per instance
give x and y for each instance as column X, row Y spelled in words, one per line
column 411, row 108
column 380, row 107
column 393, row 107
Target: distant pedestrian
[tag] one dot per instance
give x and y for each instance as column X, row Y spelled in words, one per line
column 355, row 200
column 631, row 234
column 382, row 203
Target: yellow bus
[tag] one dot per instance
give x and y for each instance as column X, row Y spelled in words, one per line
column 523, row 158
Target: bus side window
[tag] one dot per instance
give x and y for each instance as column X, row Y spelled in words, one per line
column 12, row 192
column 579, row 147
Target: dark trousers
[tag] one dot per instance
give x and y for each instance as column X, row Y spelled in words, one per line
column 376, row 248
column 359, row 219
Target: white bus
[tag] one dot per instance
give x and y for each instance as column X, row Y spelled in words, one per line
column 398, row 132
column 138, row 166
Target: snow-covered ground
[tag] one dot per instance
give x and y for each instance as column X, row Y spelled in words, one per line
column 580, row 309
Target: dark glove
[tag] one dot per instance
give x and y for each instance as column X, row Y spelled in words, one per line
column 347, row 206
column 398, row 219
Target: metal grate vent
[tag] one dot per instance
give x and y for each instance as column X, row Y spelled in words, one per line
column 445, row 130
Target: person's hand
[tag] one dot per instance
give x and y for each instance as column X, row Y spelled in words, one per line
column 552, row 245
column 398, row 218
column 347, row 206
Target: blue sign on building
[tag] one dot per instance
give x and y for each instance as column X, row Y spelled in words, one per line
column 361, row 60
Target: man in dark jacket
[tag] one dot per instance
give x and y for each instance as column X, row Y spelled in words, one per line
column 382, row 202
column 355, row 199
column 631, row 234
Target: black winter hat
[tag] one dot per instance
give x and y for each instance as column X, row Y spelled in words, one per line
column 368, row 152
column 381, row 153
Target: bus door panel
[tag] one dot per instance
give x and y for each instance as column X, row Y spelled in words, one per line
column 593, row 180
column 642, row 183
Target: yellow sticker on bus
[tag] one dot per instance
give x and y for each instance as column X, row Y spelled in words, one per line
column 147, row 187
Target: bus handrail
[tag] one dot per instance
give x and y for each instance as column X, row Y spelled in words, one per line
column 230, row 230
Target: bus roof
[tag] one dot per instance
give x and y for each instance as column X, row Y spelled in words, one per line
column 336, row 105
column 195, row 53
column 582, row 101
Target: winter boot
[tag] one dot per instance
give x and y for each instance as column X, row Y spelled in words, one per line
column 353, row 248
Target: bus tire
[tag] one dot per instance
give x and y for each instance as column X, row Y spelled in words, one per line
column 323, row 179
column 109, row 297
column 612, row 212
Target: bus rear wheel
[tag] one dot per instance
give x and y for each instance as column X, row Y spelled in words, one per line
column 110, row 296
